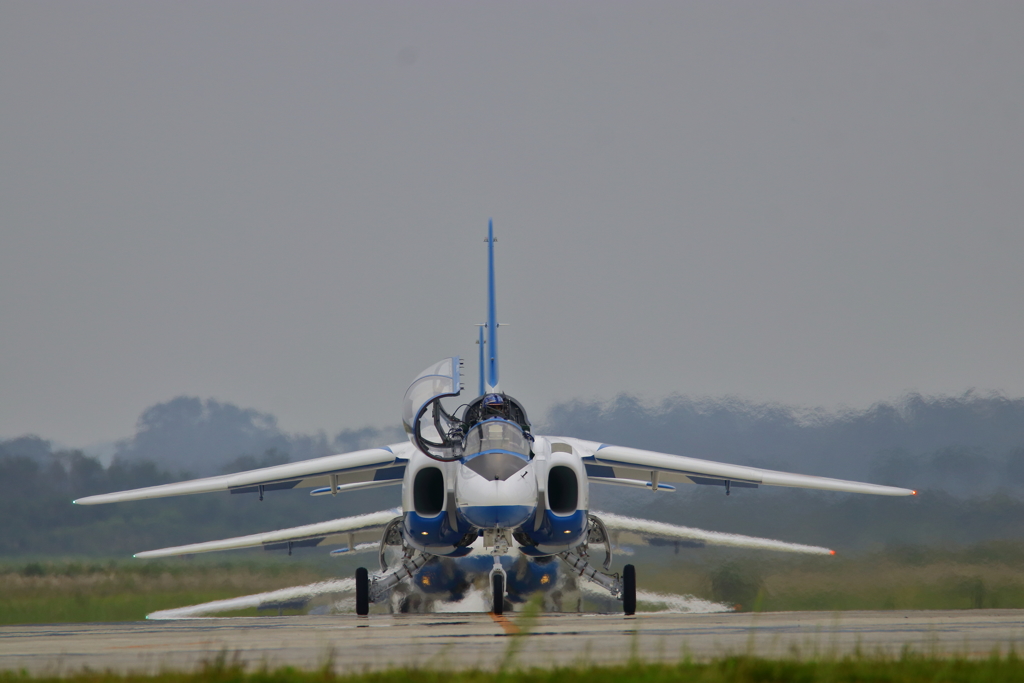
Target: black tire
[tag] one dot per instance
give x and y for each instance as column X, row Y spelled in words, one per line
column 498, row 589
column 362, row 592
column 629, row 589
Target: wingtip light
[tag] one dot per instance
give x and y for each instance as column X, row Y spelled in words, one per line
column 913, row 493
column 831, row 552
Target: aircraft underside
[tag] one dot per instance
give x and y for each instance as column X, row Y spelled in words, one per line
column 465, row 582
column 411, row 577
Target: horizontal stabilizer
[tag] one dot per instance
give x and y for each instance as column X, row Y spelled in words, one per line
column 670, row 602
column 350, row 529
column 281, row 596
column 647, row 531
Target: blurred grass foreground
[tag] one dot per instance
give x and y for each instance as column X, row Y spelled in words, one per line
column 906, row 669
column 985, row 575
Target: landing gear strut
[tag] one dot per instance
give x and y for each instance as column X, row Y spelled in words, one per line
column 377, row 588
column 622, row 587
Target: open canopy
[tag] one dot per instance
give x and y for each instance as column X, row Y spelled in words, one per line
column 423, row 417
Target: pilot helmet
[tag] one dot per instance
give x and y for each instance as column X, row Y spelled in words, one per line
column 494, row 405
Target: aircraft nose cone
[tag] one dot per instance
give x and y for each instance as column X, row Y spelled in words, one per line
column 491, row 504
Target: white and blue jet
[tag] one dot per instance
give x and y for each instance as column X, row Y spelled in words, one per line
column 482, row 495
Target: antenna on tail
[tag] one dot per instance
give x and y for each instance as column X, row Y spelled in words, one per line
column 483, row 365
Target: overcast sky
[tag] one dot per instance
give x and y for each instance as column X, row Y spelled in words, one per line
column 283, row 205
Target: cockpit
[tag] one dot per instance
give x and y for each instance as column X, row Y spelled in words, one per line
column 496, row 449
column 494, row 423
column 496, row 405
column 496, row 435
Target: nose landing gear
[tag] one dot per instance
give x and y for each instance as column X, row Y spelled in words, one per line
column 497, row 587
column 498, row 593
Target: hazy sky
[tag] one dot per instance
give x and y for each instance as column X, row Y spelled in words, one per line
column 283, row 205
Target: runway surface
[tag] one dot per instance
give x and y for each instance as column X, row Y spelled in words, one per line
column 480, row 640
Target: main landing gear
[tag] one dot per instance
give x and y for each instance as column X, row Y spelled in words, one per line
column 378, row 587
column 623, row 587
column 629, row 589
column 362, row 592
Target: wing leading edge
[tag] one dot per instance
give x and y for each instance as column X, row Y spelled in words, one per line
column 373, row 465
column 352, row 530
column 619, row 462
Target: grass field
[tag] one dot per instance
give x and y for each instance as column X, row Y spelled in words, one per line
column 72, row 591
column 987, row 575
column 907, row 669
column 982, row 576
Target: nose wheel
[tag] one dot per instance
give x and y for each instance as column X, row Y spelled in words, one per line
column 498, row 593
column 497, row 587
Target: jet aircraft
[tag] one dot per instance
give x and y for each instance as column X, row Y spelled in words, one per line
column 482, row 494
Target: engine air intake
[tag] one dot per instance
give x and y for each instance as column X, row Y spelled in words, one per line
column 563, row 490
column 428, row 492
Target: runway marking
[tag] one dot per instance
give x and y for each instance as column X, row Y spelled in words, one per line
column 510, row 628
column 142, row 647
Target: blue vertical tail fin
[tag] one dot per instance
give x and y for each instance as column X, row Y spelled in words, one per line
column 492, row 317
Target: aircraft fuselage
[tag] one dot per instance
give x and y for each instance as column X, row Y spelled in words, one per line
column 541, row 506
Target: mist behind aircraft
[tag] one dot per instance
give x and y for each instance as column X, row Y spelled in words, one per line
column 964, row 453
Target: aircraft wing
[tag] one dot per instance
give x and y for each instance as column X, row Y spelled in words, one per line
column 633, row 530
column 373, row 466
column 296, row 596
column 618, row 462
column 348, row 530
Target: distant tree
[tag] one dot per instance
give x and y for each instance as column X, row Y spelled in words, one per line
column 960, row 444
column 26, row 446
column 188, row 434
column 200, row 437
column 38, row 517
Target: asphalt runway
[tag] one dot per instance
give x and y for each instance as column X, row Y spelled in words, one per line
column 480, row 640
